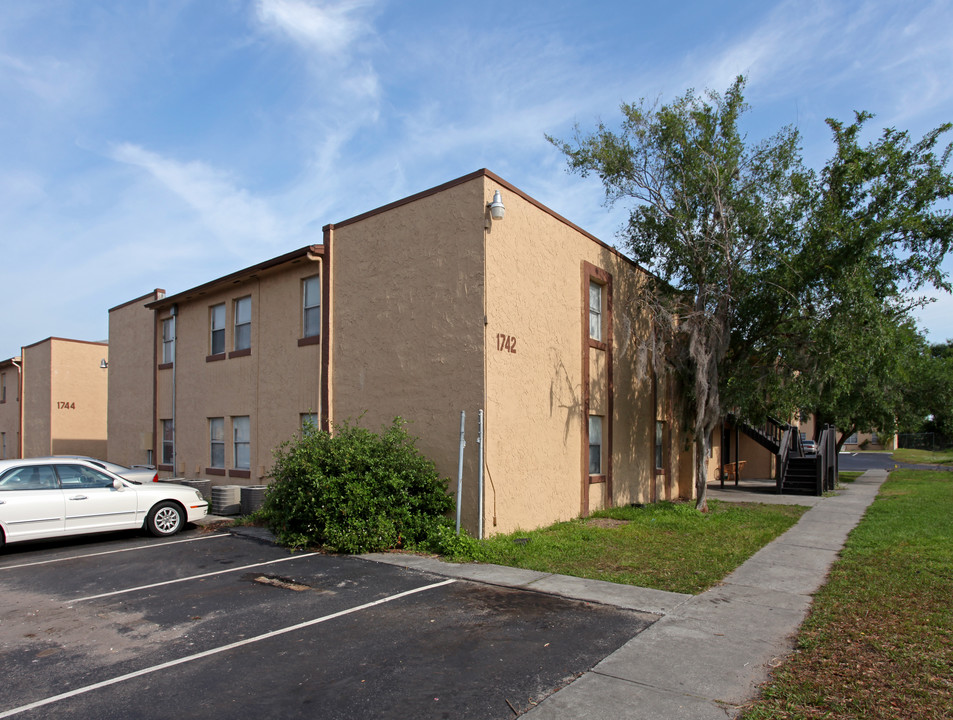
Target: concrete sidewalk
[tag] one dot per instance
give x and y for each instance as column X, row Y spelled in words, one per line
column 708, row 653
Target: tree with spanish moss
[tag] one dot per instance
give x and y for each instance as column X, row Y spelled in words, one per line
column 715, row 216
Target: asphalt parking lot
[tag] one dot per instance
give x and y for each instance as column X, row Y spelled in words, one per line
column 218, row 625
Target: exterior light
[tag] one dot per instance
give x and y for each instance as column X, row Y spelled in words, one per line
column 103, row 364
column 496, row 207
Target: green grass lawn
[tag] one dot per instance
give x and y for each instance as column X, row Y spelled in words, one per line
column 878, row 643
column 925, row 457
column 668, row 546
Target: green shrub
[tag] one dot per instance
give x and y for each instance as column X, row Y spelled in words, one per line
column 356, row 491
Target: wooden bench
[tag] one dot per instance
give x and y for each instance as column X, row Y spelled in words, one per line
column 731, row 471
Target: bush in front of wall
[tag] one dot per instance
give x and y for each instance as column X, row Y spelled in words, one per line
column 356, row 491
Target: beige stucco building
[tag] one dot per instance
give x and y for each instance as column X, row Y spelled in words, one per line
column 130, row 435
column 424, row 308
column 53, row 399
column 10, row 408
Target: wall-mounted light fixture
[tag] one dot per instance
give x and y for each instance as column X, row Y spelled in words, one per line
column 103, row 364
column 496, row 207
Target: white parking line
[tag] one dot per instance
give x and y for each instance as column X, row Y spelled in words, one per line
column 190, row 577
column 215, row 651
column 111, row 552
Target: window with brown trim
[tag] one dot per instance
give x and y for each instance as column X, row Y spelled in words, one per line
column 168, row 442
column 216, row 433
column 595, row 311
column 311, row 306
column 168, row 341
column 243, row 323
column 217, row 329
column 595, row 445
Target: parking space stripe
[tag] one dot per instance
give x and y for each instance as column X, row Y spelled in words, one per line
column 111, row 552
column 190, row 577
column 215, row 651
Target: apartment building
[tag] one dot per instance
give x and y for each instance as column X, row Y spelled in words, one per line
column 53, row 399
column 468, row 297
column 10, row 408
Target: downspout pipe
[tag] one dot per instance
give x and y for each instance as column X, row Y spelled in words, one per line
column 463, row 444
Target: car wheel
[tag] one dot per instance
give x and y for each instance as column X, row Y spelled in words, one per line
column 165, row 519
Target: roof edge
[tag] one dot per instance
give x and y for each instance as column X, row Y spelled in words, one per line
column 306, row 251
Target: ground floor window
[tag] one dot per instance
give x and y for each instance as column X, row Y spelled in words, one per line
column 659, row 445
column 168, row 442
column 216, row 432
column 241, row 434
column 595, row 445
column 309, row 419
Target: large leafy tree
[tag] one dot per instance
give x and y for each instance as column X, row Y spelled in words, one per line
column 715, row 217
column 878, row 231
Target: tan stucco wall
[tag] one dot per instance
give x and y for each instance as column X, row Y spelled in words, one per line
column 65, row 396
column 131, row 368
column 535, row 397
column 37, row 364
column 10, row 410
column 407, row 336
column 273, row 385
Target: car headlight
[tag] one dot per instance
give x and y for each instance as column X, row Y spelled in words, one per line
column 198, row 494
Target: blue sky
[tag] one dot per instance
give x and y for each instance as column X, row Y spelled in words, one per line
column 164, row 143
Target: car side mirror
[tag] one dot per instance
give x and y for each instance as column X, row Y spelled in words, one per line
column 118, row 484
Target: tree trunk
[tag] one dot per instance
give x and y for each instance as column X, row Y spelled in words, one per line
column 701, row 472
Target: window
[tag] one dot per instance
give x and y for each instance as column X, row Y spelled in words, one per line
column 309, row 421
column 243, row 323
column 80, row 476
column 168, row 442
column 595, row 445
column 851, row 440
column 3, row 446
column 311, row 321
column 216, row 432
column 242, row 437
column 659, row 440
column 29, row 477
column 874, row 437
column 595, row 311
column 168, row 340
column 3, row 387
column 218, row 329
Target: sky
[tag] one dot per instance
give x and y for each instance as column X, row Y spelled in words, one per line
column 164, row 143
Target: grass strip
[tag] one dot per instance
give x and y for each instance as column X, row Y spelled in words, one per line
column 667, row 546
column 923, row 457
column 878, row 642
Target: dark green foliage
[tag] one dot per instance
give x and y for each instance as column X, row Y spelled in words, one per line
column 357, row 491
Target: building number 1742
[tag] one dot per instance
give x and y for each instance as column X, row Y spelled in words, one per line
column 505, row 343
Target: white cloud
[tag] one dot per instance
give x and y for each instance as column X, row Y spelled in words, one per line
column 327, row 29
column 237, row 218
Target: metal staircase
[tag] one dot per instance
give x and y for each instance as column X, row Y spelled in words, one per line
column 796, row 473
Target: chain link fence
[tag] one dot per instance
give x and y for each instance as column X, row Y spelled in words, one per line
column 924, row 441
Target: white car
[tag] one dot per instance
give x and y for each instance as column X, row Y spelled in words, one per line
column 55, row 497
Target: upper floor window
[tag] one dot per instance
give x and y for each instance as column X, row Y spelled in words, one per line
column 168, row 340
column 311, row 320
column 3, row 387
column 595, row 311
column 243, row 323
column 217, row 319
